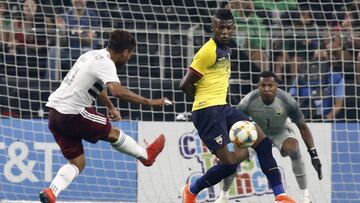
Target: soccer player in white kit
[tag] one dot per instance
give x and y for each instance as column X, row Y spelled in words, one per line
column 71, row 118
column 270, row 108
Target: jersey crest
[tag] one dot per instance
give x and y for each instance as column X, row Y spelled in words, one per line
column 219, row 139
column 279, row 111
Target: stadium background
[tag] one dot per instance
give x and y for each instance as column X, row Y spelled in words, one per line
column 38, row 56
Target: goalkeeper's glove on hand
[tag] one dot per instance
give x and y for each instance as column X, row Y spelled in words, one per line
column 315, row 161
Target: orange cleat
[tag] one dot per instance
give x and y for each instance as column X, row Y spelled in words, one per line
column 284, row 198
column 154, row 150
column 187, row 196
column 47, row 196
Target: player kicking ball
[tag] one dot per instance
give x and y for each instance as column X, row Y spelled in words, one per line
column 270, row 108
column 71, row 119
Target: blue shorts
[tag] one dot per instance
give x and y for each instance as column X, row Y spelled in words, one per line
column 213, row 124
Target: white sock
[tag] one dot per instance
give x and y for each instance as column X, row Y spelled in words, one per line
column 65, row 175
column 128, row 145
column 224, row 194
column 305, row 192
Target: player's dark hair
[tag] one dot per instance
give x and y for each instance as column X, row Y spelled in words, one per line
column 267, row 74
column 224, row 14
column 120, row 40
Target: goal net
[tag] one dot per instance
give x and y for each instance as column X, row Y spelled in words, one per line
column 312, row 46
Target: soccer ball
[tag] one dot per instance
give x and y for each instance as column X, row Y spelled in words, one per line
column 243, row 134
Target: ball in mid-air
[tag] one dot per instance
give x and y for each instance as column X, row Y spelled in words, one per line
column 243, row 134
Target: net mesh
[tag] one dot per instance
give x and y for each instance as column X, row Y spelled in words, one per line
column 312, row 46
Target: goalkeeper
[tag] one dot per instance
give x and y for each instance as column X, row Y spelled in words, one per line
column 270, row 108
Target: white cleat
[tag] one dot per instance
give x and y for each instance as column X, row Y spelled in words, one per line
column 305, row 196
column 223, row 198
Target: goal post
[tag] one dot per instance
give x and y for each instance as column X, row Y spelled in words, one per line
column 312, row 47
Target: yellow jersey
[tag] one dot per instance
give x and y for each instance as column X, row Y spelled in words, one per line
column 212, row 62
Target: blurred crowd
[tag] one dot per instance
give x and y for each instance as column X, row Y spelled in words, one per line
column 50, row 34
column 312, row 46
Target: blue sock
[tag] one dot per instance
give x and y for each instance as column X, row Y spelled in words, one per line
column 212, row 176
column 278, row 189
column 268, row 165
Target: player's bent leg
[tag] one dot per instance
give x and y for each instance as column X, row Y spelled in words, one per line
column 79, row 162
column 126, row 144
column 269, row 167
column 290, row 147
column 65, row 175
column 212, row 176
column 240, row 155
column 230, row 155
column 227, row 166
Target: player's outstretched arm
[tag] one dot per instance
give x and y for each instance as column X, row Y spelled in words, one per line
column 309, row 142
column 122, row 92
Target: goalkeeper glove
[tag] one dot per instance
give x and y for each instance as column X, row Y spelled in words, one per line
column 315, row 161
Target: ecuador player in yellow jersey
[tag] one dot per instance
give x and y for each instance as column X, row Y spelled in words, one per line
column 207, row 80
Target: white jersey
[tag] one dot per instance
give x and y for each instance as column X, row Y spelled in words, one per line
column 84, row 82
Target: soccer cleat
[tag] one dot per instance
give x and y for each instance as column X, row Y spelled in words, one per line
column 305, row 196
column 154, row 150
column 284, row 198
column 187, row 196
column 47, row 196
column 222, row 198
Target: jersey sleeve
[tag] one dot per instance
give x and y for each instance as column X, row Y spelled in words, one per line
column 204, row 58
column 295, row 113
column 244, row 104
column 106, row 71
